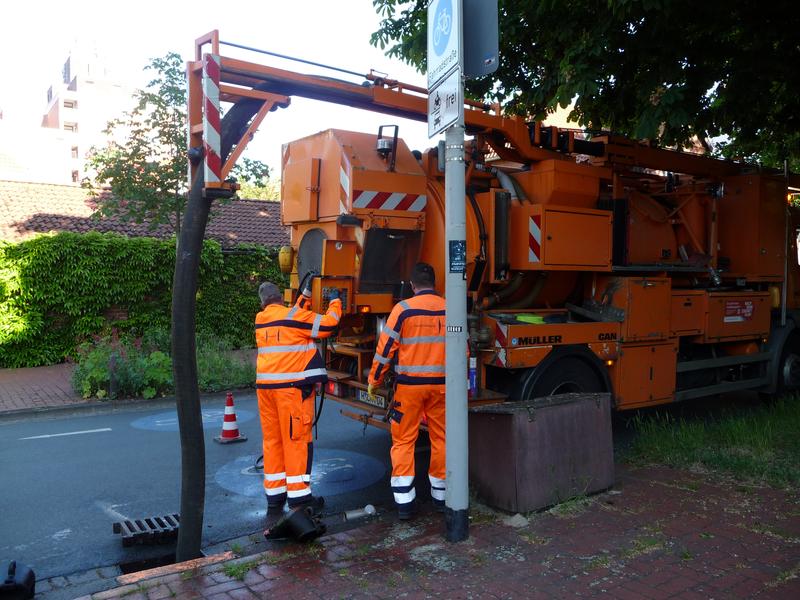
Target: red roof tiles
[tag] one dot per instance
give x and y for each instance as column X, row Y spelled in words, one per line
column 27, row 209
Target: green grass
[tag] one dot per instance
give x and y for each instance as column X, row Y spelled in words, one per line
column 239, row 570
column 759, row 444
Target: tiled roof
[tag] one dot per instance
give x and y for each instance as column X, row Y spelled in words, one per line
column 27, row 209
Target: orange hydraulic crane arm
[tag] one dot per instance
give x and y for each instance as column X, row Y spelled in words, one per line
column 511, row 137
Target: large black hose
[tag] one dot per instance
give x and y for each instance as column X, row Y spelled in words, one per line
column 184, row 360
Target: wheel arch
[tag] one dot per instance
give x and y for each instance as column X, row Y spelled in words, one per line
column 572, row 351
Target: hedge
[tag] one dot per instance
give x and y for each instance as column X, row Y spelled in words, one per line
column 59, row 290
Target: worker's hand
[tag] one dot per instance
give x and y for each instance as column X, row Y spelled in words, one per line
column 307, row 292
column 371, row 391
column 333, row 294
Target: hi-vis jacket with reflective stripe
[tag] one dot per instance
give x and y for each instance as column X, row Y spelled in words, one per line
column 417, row 327
column 287, row 356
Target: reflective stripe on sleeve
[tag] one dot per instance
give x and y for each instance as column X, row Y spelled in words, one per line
column 391, row 333
column 419, row 369
column 295, row 348
column 381, row 359
column 297, row 375
column 315, row 328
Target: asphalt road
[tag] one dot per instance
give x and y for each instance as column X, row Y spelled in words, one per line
column 66, row 479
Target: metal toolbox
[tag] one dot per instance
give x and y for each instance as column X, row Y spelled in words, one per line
column 524, row 456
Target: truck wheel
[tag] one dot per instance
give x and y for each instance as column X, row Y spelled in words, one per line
column 789, row 368
column 566, row 375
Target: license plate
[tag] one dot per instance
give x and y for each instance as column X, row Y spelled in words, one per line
column 378, row 401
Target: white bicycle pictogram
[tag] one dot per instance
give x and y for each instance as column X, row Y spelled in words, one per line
column 443, row 24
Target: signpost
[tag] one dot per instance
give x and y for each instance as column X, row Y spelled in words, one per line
column 446, row 113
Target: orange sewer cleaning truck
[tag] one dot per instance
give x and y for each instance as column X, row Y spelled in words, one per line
column 594, row 263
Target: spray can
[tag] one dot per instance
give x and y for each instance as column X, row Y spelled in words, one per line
column 473, row 376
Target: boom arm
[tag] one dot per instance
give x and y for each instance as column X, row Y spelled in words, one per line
column 511, row 137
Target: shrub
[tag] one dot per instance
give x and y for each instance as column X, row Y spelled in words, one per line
column 57, row 291
column 114, row 367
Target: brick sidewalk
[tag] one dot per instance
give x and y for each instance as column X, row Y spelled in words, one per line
column 660, row 533
column 37, row 388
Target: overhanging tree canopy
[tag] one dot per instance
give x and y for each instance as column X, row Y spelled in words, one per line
column 666, row 70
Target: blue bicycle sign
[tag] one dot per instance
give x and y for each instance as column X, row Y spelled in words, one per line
column 442, row 25
column 444, row 35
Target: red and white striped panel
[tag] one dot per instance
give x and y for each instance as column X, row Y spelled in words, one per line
column 212, row 167
column 388, row 200
column 500, row 342
column 344, row 184
column 535, row 239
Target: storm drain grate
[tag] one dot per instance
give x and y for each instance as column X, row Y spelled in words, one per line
column 148, row 531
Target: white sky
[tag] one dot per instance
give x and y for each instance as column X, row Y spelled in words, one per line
column 36, row 37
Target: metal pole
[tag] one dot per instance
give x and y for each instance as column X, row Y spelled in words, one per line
column 457, row 495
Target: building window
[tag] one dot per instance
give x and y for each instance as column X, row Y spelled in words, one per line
column 70, row 104
column 74, row 152
column 73, row 127
column 74, row 177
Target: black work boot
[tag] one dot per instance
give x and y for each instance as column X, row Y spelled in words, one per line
column 315, row 503
column 406, row 512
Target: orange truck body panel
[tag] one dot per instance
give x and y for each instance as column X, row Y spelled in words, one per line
column 657, row 267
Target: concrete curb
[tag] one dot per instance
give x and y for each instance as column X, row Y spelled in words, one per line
column 109, row 406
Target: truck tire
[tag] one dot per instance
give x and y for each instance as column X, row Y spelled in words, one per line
column 789, row 367
column 567, row 374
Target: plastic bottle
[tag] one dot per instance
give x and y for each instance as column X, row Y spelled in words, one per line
column 359, row 513
column 473, row 376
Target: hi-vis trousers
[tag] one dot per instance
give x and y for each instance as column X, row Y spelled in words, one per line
column 412, row 402
column 286, row 419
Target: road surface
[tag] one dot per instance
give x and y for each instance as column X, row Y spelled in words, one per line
column 66, row 479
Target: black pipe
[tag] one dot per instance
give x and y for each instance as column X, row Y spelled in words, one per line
column 501, row 222
column 184, row 370
column 480, row 260
column 184, row 359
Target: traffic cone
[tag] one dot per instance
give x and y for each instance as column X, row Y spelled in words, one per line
column 230, row 430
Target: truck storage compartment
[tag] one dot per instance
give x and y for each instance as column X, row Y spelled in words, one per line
column 527, row 455
column 642, row 303
column 546, row 237
column 688, row 312
column 737, row 315
column 644, row 374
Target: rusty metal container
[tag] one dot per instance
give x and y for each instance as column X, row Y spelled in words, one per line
column 524, row 456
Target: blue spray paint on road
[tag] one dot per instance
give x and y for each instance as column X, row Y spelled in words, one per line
column 333, row 472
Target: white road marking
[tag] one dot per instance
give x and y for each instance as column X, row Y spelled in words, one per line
column 39, row 437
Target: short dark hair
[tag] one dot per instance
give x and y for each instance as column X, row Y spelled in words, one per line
column 423, row 275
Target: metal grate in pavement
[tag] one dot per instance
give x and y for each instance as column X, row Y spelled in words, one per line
column 148, row 531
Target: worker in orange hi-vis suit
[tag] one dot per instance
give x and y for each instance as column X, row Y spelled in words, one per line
column 415, row 331
column 288, row 369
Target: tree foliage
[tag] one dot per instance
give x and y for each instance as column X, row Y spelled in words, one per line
column 144, row 162
column 666, row 70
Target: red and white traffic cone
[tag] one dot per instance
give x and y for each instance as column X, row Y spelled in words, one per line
column 230, row 430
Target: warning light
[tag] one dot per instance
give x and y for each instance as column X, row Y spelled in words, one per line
column 332, row 388
column 609, row 363
column 364, row 309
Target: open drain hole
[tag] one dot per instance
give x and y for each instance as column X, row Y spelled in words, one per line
column 135, row 566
